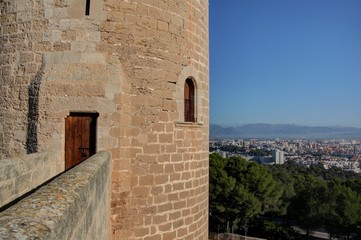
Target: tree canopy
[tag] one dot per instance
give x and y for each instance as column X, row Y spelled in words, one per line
column 240, row 191
column 275, row 198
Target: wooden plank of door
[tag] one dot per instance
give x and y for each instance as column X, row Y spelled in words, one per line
column 85, row 137
column 69, row 145
column 78, row 140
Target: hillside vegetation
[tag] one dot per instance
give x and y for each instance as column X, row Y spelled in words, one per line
column 270, row 201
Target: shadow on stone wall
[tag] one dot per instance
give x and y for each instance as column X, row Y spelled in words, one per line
column 33, row 112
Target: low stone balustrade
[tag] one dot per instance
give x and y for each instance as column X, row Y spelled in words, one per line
column 74, row 205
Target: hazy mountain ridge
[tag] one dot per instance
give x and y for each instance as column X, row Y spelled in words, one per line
column 263, row 130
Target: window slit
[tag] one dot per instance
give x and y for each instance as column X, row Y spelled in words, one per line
column 189, row 101
column 87, row 7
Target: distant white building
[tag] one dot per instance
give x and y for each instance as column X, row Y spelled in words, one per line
column 278, row 156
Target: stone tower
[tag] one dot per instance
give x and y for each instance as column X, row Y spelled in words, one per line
column 132, row 63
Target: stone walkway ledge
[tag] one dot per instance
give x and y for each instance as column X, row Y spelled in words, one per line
column 75, row 205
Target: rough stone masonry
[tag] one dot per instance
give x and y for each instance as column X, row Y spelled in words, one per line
column 127, row 60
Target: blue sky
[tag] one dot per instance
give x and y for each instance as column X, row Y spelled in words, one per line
column 285, row 61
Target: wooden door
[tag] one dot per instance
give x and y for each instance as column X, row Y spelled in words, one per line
column 80, row 137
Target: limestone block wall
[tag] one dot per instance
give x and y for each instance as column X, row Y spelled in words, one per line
column 22, row 24
column 75, row 205
column 20, row 175
column 50, row 66
column 76, row 75
column 160, row 175
column 128, row 61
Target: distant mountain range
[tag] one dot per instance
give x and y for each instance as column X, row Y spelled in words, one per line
column 286, row 131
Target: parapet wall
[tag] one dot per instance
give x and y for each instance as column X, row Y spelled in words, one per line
column 20, row 175
column 76, row 205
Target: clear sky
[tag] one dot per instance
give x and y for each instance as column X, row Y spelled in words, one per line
column 285, row 61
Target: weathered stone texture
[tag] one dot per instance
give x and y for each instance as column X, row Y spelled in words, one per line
column 21, row 25
column 128, row 61
column 19, row 176
column 166, row 162
column 74, row 206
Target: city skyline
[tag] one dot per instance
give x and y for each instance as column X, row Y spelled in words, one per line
column 293, row 62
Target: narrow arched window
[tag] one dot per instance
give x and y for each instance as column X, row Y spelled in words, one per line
column 189, row 101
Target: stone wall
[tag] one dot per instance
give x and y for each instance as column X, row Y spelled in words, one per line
column 75, row 205
column 22, row 25
column 51, row 66
column 128, row 61
column 160, row 175
column 20, row 175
